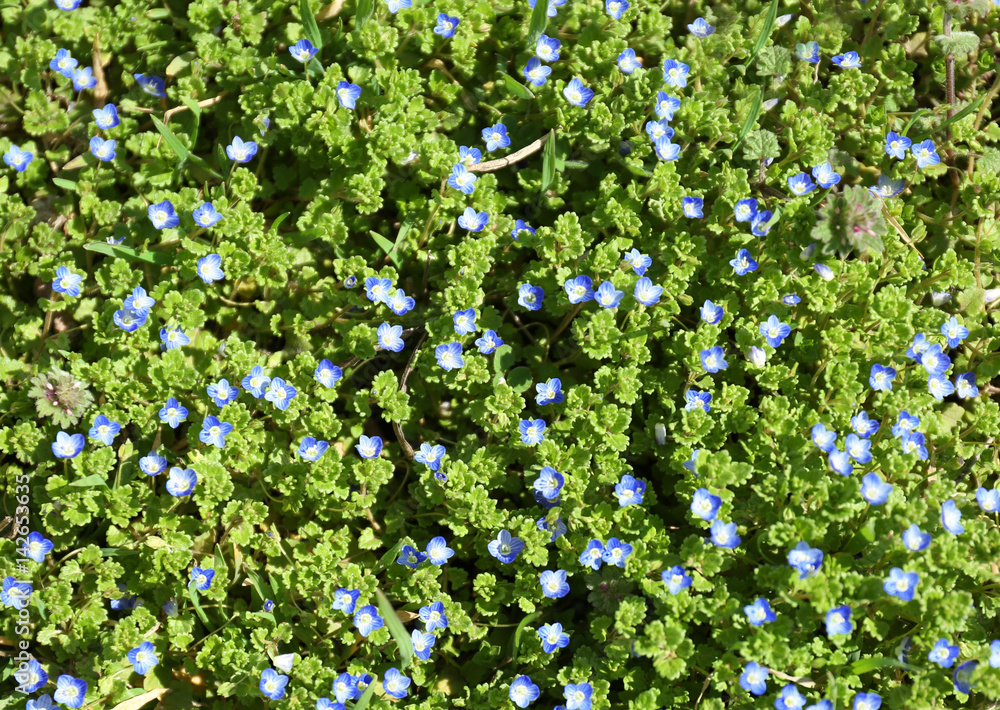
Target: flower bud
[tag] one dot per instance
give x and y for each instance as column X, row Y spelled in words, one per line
column 757, row 356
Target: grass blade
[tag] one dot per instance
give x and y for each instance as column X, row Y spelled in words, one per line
column 116, row 250
column 173, row 142
column 366, row 697
column 65, row 184
column 539, row 18
column 765, row 32
column 365, row 10
column 517, row 88
column 396, row 628
column 196, row 603
column 549, row 161
column 517, row 634
column 309, row 24
column 974, row 106
column 751, row 119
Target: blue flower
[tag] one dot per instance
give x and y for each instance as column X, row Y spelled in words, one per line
column 469, row 156
column 449, row 356
column 489, row 342
column 206, row 216
column 913, row 442
column 302, row 51
column 607, row 295
column 629, row 490
column 692, row 207
column 139, row 302
column 345, row 599
column 577, row 94
column 554, row 584
column 530, row 297
column 578, row 696
column 881, row 377
column 202, row 578
column 705, row 505
column 616, row 552
column 36, row 547
column 214, row 431
column 801, row 184
column 142, row 658
column 377, row 290
column 397, row 5
column 506, row 547
column 399, row 303
column 348, row 93
column 368, row 620
column 988, row 499
column 659, row 129
column 825, row 175
column 665, row 150
column 33, row 677
column 210, row 268
column 256, row 382
column 549, row 392
column 697, row 400
column 535, row 72
column 15, row 593
column 840, row 462
column 805, row 560
column 901, row 584
column 280, row 393
column 858, row 448
column 808, row 52
column 646, row 292
column 523, row 692
column 775, row 331
column 616, row 8
column 162, row 215
column 83, row 78
column 915, row 540
column 897, row 145
column 965, row 385
column 152, row 85
column 864, row 426
column 496, row 137
column 66, row 282
column 103, row 150
column 438, row 552
column 943, row 653
column 666, row 105
column 873, row 488
column 173, row 413
column 553, row 637
column 935, row 362
column 754, row 678
column 63, row 63
column 745, row 210
column 409, row 556
column 558, row 528
column 628, row 62
column 790, row 699
column 579, row 289
column 395, row 684
column 676, row 579
column 104, row 430
column 532, row 431
column 711, row 313
column 272, row 684
column 70, row 691
column 472, row 220
column 181, row 481
column 129, row 320
column 549, row 481
column 422, row 643
column 390, row 337
column 759, row 227
column 240, row 151
column 153, row 464
column 954, row 331
column 951, row 517
column 433, row 616
column 430, row 456
column 551, row 8
column 724, row 535
column 446, row 28
column 369, row 447
column 867, row 701
column 940, row 386
column 962, row 678
column 462, row 180
column 791, row 299
column 925, row 153
column 547, row 48
column 675, row 73
column 465, row 321
column 713, row 359
column 995, row 654
column 345, row 688
column 905, row 423
column 887, row 188
column 760, row 612
column 848, row 60
column 744, row 263
column 312, row 449
column 701, row 28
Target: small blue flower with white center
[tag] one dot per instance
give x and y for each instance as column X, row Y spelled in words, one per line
column 701, row 28
column 152, row 85
column 103, row 150
column 760, row 612
column 863, row 426
column 705, row 505
column 367, row 620
column 399, row 303
column 433, row 616
column 16, row 593
column 808, row 52
column 280, row 393
column 206, row 215
column 202, row 578
column 377, row 290
column 745, row 210
column 390, row 337
column 438, row 552
column 553, row 637
column 409, row 556
column 607, row 295
column 152, row 464
column 422, row 642
column 897, row 145
column 915, row 540
column 549, row 392
column 532, row 431
column 489, row 342
column 505, row 548
column 551, row 8
column 214, row 432
column 449, row 356
column 104, row 430
column 628, row 62
column 913, row 442
column 395, row 684
column 713, row 359
column 676, row 579
column 302, row 51
column 858, row 448
column 847, row 60
column 530, row 297
column 881, row 376
column 935, row 362
column 790, row 699
column 659, row 129
column 469, row 156
column 472, row 220
column 954, row 331
column 775, row 331
column 465, row 321
column 965, row 385
column 943, row 653
column 240, row 151
column 32, row 677
column 692, row 207
column 805, row 560
column 666, row 105
column 578, row 696
column 791, row 299
column 345, row 599
column 523, row 692
column 744, row 263
column 345, row 688
column 629, row 490
column 901, row 584
column 760, row 225
column 905, row 423
column 554, row 584
column 139, row 301
column 430, row 456
column 874, row 489
column 462, row 179
column 67, row 282
column 646, row 292
column 925, row 154
column 578, row 94
column 173, row 413
column 210, row 268
column 142, row 658
column 962, row 678
column 825, row 175
column 616, row 552
column 940, row 386
column 665, row 150
column 951, row 517
column 272, row 684
column 130, row 321
column 801, row 184
column 579, row 289
column 536, row 73
column 697, row 400
column 63, row 63
column 181, row 481
column 840, row 462
column 17, row 158
column 369, row 447
column 616, row 8
column 521, row 226
column 70, row 691
column 547, row 48
column 754, row 678
column 988, row 499
column 675, row 73
column 445, row 27
column 496, row 137
column 711, row 313
column 84, row 79
column 887, row 188
column 348, row 94
column 312, row 449
column 162, row 215
column 36, row 547
column 838, row 621
column 724, row 535
column 256, row 382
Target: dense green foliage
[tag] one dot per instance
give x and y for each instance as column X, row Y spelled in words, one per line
column 336, row 195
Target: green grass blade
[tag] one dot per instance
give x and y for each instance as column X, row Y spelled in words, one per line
column 974, row 106
column 549, row 161
column 366, row 697
column 517, row 634
column 539, row 18
column 396, row 628
column 173, row 142
column 765, row 32
column 309, row 24
column 751, row 120
column 366, row 8
column 517, row 88
column 117, row 250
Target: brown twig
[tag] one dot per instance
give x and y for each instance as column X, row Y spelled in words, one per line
column 167, row 115
column 491, row 165
column 403, row 443
column 101, row 90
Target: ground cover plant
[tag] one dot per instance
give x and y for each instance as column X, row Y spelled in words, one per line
column 468, row 354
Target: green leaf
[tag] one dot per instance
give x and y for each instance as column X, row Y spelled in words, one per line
column 503, row 359
column 117, row 250
column 365, row 10
column 94, row 480
column 273, row 229
column 539, row 18
column 969, row 108
column 386, row 245
column 366, row 697
column 517, row 634
column 765, row 32
column 309, row 24
column 172, row 141
column 549, row 161
column 519, row 379
column 751, row 119
column 260, row 586
column 389, row 556
column 396, row 628
column 196, row 603
column 517, row 88
column 761, row 145
column 180, row 63
column 866, row 665
column 65, row 184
